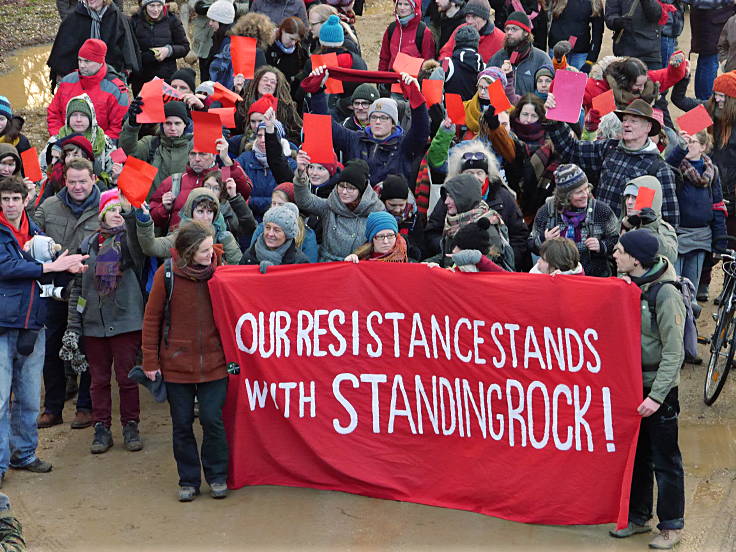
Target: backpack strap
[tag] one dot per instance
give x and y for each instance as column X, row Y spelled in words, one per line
column 153, row 146
column 418, row 39
column 169, row 286
column 651, row 297
column 86, row 246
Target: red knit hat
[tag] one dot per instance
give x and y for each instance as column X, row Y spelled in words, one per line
column 521, row 20
column 263, row 103
column 93, row 49
column 286, row 188
column 726, row 84
column 81, row 142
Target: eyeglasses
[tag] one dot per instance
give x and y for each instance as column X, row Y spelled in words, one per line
column 376, row 117
column 362, row 104
column 346, row 187
column 384, row 237
column 474, row 155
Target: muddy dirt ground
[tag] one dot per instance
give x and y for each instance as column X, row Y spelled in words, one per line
column 127, row 501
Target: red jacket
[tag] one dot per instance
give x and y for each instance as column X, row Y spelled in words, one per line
column 109, row 96
column 666, row 78
column 190, row 180
column 489, row 44
column 403, row 39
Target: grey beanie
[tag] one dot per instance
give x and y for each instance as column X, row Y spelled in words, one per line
column 479, row 8
column 285, row 217
column 467, row 37
column 465, row 189
column 387, row 106
column 222, row 11
column 144, row 3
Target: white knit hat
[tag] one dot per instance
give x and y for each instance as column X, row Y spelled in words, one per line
column 222, row 11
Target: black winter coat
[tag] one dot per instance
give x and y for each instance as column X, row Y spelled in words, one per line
column 577, row 20
column 122, row 47
column 167, row 31
column 461, row 72
column 639, row 33
column 706, row 26
column 289, row 64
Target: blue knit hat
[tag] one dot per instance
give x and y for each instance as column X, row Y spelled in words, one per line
column 331, row 34
column 377, row 221
column 5, row 108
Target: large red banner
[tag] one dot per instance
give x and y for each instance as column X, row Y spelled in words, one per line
column 513, row 395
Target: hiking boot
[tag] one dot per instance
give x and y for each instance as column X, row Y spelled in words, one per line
column 37, row 466
column 131, row 437
column 666, row 539
column 82, row 419
column 631, row 529
column 218, row 490
column 102, row 441
column 702, row 294
column 47, row 419
column 693, row 359
column 187, row 494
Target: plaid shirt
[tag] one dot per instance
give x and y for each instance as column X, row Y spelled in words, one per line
column 616, row 167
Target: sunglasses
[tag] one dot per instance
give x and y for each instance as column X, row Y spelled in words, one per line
column 474, row 155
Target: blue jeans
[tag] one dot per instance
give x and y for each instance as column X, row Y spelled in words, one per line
column 21, row 376
column 705, row 74
column 576, row 60
column 667, row 45
column 658, row 454
column 690, row 265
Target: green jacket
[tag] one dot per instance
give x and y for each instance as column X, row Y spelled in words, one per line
column 170, row 156
column 662, row 345
column 56, row 220
column 11, row 535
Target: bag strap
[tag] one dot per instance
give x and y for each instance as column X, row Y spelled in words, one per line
column 169, row 286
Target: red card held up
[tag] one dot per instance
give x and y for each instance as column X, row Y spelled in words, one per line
column 227, row 115
column 455, row 108
column 152, row 95
column 405, row 63
column 572, row 40
column 226, row 97
column 31, row 167
column 432, row 91
column 332, row 86
column 569, row 87
column 604, row 103
column 135, row 180
column 318, row 138
column 243, row 53
column 644, row 198
column 497, row 95
column 207, row 130
column 695, row 120
column 118, row 156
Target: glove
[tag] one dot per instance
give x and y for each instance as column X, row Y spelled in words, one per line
column 70, row 352
column 645, row 216
column 466, row 257
column 264, row 266
column 134, row 109
column 490, row 118
column 587, row 66
column 621, row 23
column 141, row 215
column 561, row 49
column 592, row 120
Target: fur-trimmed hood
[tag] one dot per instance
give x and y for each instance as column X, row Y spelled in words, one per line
column 596, row 72
column 455, row 158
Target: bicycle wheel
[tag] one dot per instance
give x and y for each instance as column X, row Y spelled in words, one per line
column 720, row 360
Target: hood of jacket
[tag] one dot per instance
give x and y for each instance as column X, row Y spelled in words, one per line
column 647, row 182
column 661, row 271
column 417, row 14
column 469, row 58
column 369, row 202
column 455, row 158
column 195, row 196
column 9, row 150
column 596, row 72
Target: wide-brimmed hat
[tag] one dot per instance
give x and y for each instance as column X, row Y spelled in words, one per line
column 640, row 108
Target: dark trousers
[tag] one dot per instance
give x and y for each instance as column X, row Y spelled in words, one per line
column 54, row 376
column 211, row 397
column 658, row 455
column 104, row 353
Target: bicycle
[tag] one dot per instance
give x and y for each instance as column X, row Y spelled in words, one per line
column 724, row 334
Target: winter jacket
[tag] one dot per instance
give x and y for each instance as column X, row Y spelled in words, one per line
column 396, row 154
column 707, row 18
column 108, row 93
column 238, row 216
column 263, row 182
column 663, row 230
column 168, row 155
column 461, row 72
column 293, row 255
column 600, row 222
column 278, row 10
column 616, row 167
column 727, row 45
column 491, row 41
column 577, row 20
column 122, row 48
column 403, row 39
column 309, row 246
column 343, row 230
column 161, row 246
column 21, row 305
column 526, row 68
column 193, row 351
column 289, row 64
column 675, row 20
column 167, row 31
column 189, row 181
column 57, row 221
column 538, row 16
column 221, row 66
column 638, row 36
column 662, row 344
column 121, row 311
column 444, row 27
column 597, row 83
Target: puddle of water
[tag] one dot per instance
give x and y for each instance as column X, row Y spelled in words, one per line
column 26, row 84
column 707, row 448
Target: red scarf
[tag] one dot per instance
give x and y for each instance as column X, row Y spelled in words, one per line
column 22, row 234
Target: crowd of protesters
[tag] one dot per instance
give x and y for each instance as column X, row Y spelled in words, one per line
column 93, row 285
